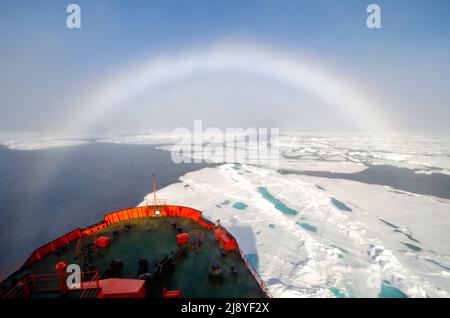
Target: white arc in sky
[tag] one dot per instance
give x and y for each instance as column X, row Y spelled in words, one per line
column 116, row 92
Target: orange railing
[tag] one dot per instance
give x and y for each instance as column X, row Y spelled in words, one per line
column 44, row 283
column 51, row 247
column 90, row 284
column 150, row 211
column 41, row 252
column 56, row 281
column 235, row 246
column 90, row 280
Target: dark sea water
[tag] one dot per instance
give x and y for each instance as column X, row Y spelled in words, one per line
column 46, row 193
column 435, row 184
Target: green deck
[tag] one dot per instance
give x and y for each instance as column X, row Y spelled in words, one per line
column 153, row 239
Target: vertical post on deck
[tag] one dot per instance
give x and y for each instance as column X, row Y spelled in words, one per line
column 154, row 191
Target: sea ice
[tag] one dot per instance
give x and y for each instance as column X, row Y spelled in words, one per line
column 322, row 249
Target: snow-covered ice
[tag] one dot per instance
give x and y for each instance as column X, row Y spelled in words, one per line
column 319, row 237
column 424, row 154
column 37, row 141
column 333, row 235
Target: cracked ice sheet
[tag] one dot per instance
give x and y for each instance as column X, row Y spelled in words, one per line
column 297, row 262
column 426, row 154
column 421, row 221
column 353, row 153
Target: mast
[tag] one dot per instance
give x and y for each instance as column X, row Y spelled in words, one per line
column 154, row 191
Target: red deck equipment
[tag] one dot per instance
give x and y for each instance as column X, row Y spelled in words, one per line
column 227, row 243
column 103, row 241
column 217, row 233
column 182, row 238
column 122, row 288
column 171, row 293
column 61, row 266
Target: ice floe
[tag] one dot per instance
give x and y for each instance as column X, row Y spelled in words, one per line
column 326, row 249
column 38, row 141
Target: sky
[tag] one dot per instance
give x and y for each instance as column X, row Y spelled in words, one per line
column 158, row 65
